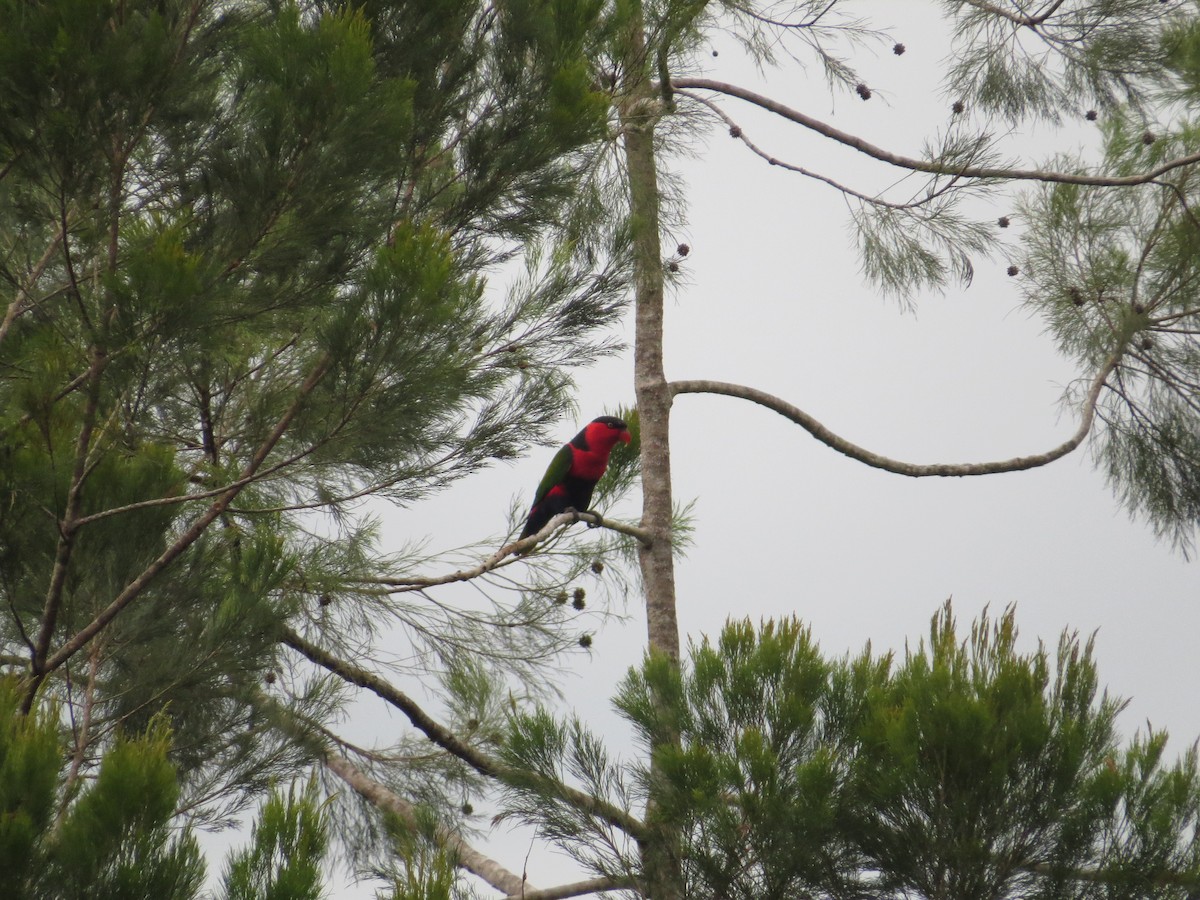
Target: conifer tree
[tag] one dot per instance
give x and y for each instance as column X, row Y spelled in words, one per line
column 63, row 838
column 245, row 250
column 245, row 245
column 1017, row 63
column 963, row 769
column 1109, row 270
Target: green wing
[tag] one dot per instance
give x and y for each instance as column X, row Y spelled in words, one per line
column 556, row 474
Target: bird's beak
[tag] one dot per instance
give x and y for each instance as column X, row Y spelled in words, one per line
column 625, row 437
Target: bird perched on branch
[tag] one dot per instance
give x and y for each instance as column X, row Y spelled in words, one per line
column 574, row 471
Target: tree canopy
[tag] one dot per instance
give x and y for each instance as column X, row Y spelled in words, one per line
column 245, row 248
column 965, row 768
column 267, row 264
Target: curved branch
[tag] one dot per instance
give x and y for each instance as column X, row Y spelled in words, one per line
column 875, row 460
column 922, row 165
column 450, row 742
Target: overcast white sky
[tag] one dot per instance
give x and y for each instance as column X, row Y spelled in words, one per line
column 771, row 296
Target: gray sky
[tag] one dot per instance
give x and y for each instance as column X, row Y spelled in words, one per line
column 771, row 296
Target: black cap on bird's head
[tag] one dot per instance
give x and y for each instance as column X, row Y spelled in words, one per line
column 603, row 432
column 612, row 422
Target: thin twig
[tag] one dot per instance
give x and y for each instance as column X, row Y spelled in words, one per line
column 83, row 735
column 68, row 526
column 739, row 133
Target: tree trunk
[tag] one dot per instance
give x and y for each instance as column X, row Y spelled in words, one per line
column 638, row 116
column 639, row 112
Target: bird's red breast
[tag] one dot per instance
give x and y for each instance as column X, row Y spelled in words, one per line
column 590, row 460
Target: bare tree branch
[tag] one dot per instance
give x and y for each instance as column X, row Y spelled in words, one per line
column 447, row 740
column 525, row 545
column 846, row 448
column 465, row 855
column 512, row 885
column 923, row 165
column 382, row 797
column 432, row 729
column 574, row 889
column 506, row 555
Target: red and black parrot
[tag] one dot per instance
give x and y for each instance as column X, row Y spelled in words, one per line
column 574, row 471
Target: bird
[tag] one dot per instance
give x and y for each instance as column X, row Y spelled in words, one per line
column 574, row 471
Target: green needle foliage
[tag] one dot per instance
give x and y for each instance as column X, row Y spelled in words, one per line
column 1104, row 55
column 249, row 264
column 428, row 871
column 285, row 858
column 29, row 762
column 245, row 252
column 115, row 838
column 1114, row 274
column 967, row 769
